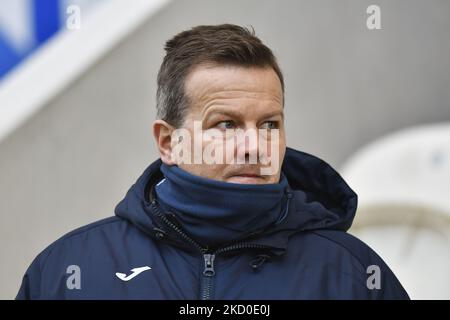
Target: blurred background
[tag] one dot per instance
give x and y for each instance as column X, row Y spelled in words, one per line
column 77, row 99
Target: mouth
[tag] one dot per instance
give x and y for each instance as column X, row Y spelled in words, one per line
column 246, row 178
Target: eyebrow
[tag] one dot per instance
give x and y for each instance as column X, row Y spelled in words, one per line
column 237, row 114
column 275, row 113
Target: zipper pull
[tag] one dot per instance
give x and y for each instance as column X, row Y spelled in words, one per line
column 209, row 265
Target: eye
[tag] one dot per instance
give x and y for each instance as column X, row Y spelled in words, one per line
column 270, row 125
column 227, row 124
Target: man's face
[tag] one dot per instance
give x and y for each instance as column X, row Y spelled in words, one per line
column 240, row 112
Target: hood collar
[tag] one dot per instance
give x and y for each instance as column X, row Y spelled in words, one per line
column 321, row 199
column 215, row 212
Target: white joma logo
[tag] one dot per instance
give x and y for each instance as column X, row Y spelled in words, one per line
column 135, row 272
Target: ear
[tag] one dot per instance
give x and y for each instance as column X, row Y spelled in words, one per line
column 162, row 131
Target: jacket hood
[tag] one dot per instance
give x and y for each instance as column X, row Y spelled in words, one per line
column 321, row 199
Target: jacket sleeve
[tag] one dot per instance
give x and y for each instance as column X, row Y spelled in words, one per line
column 374, row 277
column 30, row 288
column 380, row 282
column 390, row 288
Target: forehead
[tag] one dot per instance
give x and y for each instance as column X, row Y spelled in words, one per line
column 207, row 83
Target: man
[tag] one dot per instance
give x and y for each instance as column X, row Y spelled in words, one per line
column 227, row 212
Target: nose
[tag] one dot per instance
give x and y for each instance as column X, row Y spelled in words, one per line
column 247, row 145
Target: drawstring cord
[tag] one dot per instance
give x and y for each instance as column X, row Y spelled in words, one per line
column 285, row 212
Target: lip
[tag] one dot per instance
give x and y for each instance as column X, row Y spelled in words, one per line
column 246, row 178
column 249, row 174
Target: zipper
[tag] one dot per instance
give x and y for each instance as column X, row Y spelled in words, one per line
column 207, row 283
column 174, row 227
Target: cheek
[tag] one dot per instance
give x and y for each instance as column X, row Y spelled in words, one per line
column 276, row 144
column 282, row 145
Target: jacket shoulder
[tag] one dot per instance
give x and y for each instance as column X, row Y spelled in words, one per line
column 99, row 225
column 369, row 261
column 360, row 251
column 31, row 283
column 89, row 227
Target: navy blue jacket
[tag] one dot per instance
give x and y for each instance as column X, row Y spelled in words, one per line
column 307, row 256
